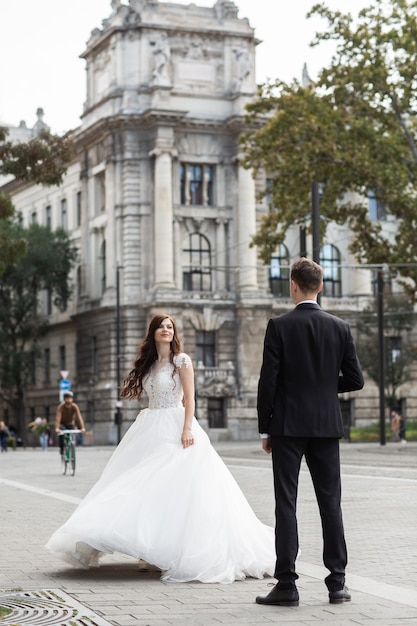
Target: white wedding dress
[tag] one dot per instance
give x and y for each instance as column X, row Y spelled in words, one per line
column 178, row 509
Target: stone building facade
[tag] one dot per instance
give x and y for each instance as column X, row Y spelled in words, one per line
column 162, row 213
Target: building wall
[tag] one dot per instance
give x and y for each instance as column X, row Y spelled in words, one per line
column 166, row 89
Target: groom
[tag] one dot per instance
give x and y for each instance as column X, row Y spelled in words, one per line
column 309, row 357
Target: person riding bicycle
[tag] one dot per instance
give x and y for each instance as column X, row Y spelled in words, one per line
column 67, row 414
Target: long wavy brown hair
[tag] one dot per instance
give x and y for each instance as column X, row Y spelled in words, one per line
column 132, row 386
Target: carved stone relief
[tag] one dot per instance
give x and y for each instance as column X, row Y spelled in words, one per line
column 198, row 61
column 199, row 145
column 162, row 57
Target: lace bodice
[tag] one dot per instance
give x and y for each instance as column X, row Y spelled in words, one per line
column 163, row 385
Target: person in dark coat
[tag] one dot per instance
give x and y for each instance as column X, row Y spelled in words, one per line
column 309, row 358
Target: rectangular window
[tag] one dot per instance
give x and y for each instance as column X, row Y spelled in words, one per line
column 377, row 210
column 48, row 216
column 268, row 194
column 34, row 218
column 394, row 349
column 196, row 184
column 279, row 273
column 215, row 411
column 64, row 214
column 197, row 267
column 79, row 207
column 48, row 302
column 33, row 369
column 47, row 365
column 99, row 193
column 62, row 358
column 206, row 348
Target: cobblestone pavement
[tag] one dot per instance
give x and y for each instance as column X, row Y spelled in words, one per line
column 380, row 515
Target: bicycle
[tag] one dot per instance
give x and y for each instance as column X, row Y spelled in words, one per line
column 68, row 456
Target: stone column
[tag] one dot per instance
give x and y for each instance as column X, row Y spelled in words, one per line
column 178, row 252
column 221, row 282
column 163, row 220
column 246, row 227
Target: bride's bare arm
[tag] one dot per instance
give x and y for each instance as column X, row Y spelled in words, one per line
column 187, row 380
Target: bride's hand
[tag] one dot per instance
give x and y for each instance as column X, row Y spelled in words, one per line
column 187, row 438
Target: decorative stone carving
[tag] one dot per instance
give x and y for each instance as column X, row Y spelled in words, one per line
column 225, row 9
column 162, row 56
column 215, row 382
column 200, row 145
column 242, row 67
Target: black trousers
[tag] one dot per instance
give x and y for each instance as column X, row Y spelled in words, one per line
column 323, row 460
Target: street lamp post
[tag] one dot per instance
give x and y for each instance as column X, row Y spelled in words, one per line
column 381, row 359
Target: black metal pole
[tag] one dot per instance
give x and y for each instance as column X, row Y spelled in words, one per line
column 315, row 221
column 118, row 411
column 381, row 351
column 303, row 242
column 315, row 224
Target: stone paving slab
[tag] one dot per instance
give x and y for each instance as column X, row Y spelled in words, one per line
column 380, row 513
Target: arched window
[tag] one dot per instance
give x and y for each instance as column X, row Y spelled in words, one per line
column 197, row 261
column 279, row 273
column 330, row 262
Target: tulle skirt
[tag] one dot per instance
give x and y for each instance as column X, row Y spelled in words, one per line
column 178, row 509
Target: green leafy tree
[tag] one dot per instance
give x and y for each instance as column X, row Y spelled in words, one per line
column 46, row 267
column 352, row 131
column 42, row 160
column 400, row 353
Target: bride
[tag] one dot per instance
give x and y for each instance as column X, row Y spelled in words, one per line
column 165, row 495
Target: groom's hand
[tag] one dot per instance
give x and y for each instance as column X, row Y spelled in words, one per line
column 266, row 444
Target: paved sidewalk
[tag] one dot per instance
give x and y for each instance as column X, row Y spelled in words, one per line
column 380, row 514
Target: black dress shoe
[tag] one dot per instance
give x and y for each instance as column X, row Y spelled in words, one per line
column 280, row 597
column 342, row 595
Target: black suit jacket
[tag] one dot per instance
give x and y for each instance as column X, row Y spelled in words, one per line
column 309, row 357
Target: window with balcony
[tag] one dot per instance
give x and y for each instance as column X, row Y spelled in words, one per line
column 196, row 184
column 330, row 262
column 197, row 263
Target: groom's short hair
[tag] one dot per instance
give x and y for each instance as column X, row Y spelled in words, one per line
column 307, row 274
